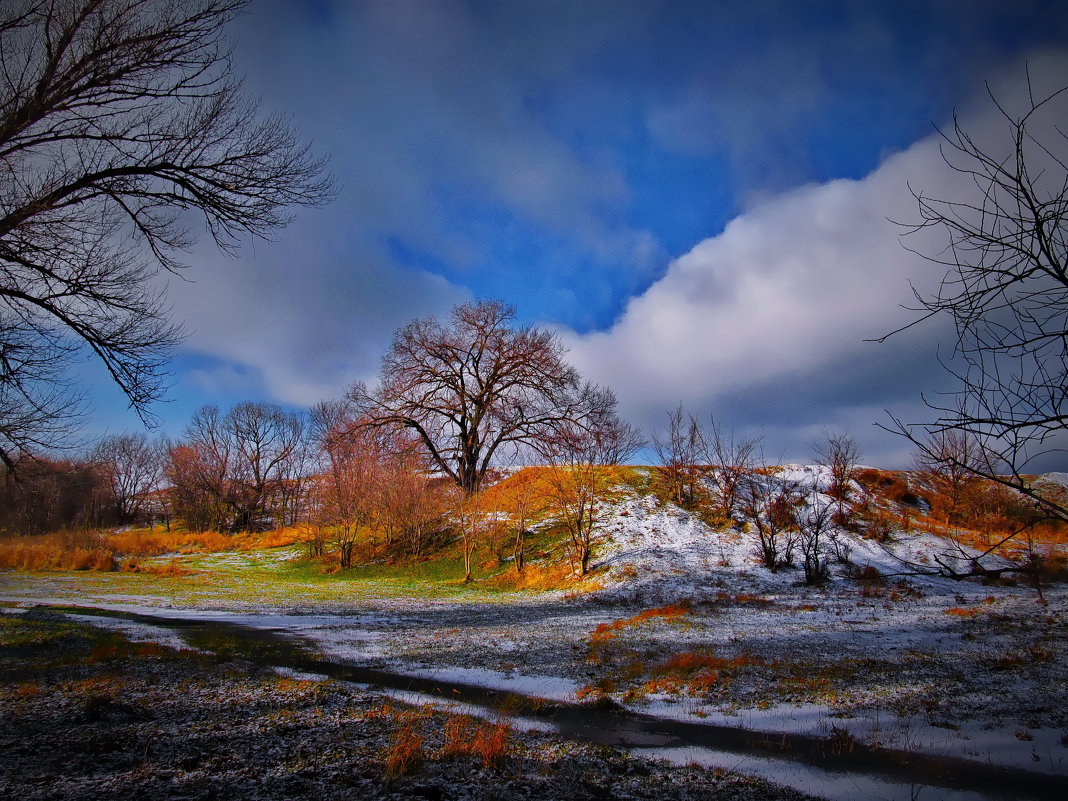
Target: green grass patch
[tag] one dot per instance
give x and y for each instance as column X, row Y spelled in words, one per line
column 17, row 632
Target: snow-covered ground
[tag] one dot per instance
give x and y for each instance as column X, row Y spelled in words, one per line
column 912, row 661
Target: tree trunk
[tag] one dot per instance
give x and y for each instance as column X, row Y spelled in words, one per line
column 518, row 550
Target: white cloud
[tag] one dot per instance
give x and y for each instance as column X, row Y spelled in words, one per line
column 782, row 301
column 787, row 288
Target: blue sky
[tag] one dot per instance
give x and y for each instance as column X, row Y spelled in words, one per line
column 694, row 194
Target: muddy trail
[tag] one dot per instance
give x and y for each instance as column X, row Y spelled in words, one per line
column 608, row 724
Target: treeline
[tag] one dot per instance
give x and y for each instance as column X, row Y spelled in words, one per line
column 402, row 464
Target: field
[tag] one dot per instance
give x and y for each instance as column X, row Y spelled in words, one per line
column 676, row 620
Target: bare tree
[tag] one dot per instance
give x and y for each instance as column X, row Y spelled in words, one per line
column 1005, row 287
column 948, row 463
column 579, row 456
column 51, row 494
column 523, row 501
column 734, row 461
column 349, row 483
column 199, row 471
column 769, row 505
column 473, row 388
column 478, row 522
column 117, row 118
column 231, row 470
column 815, row 533
column 132, row 466
column 266, row 441
column 38, row 405
column 680, row 453
column 839, row 453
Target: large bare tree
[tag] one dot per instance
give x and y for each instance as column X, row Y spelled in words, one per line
column 120, row 123
column 1005, row 288
column 474, row 387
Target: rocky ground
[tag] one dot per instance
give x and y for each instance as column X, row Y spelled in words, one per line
column 89, row 714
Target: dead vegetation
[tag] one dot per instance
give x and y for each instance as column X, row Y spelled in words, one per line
column 89, row 549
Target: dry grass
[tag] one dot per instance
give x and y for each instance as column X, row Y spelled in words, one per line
column 491, row 744
column 54, row 552
column 405, row 753
column 536, row 577
column 465, row 736
column 964, row 611
column 99, row 550
column 154, row 542
column 695, row 672
column 458, row 734
column 172, row 569
column 670, row 612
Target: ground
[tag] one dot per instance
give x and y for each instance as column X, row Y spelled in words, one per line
column 677, row 620
column 90, row 715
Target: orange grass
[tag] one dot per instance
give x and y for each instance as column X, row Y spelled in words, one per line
column 670, row 612
column 95, row 550
column 153, row 542
column 695, row 672
column 467, row 736
column 535, row 577
column 491, row 744
column 405, row 754
column 459, row 734
column 49, row 552
column 961, row 611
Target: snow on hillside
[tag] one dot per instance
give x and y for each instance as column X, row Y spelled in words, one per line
column 659, row 552
column 1054, row 478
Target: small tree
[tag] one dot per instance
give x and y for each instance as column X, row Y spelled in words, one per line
column 579, row 458
column 523, row 500
column 768, row 504
column 680, row 453
column 734, row 461
column 948, row 463
column 477, row 521
column 412, row 505
column 348, row 482
column 839, row 454
column 815, row 530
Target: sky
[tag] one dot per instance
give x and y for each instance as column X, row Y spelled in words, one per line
column 697, row 196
